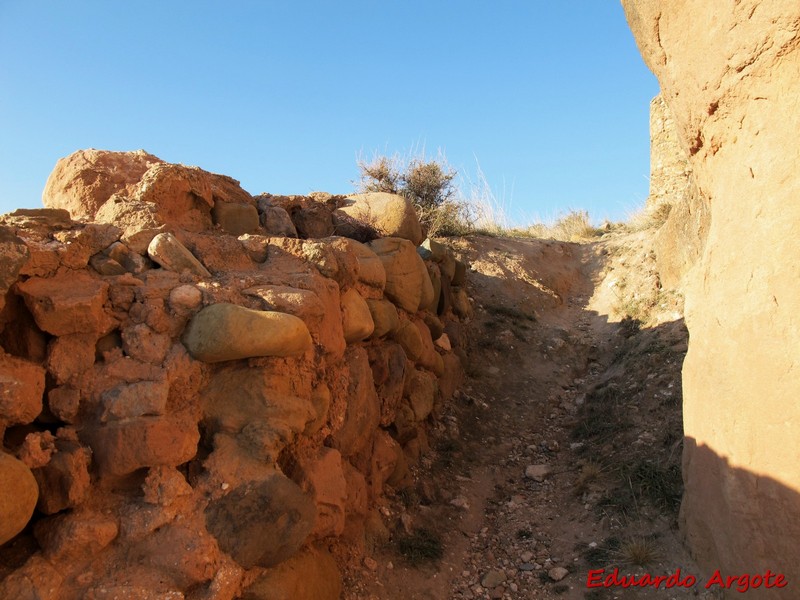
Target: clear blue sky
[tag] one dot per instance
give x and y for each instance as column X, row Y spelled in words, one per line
column 550, row 97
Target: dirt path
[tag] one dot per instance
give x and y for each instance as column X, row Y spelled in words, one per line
column 562, row 452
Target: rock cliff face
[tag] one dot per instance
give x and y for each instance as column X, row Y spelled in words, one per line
column 730, row 73
column 194, row 401
column 673, row 193
column 670, row 173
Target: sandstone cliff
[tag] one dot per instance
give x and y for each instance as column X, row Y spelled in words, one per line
column 202, row 391
column 730, row 74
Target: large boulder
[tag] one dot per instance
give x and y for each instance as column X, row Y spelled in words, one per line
column 731, row 78
column 143, row 194
column 227, row 332
column 83, row 181
column 389, row 215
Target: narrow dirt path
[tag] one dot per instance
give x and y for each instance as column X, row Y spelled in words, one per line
column 560, row 454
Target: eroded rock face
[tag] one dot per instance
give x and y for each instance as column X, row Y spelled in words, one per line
column 84, row 180
column 731, row 77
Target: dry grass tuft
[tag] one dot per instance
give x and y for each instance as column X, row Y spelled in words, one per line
column 575, row 226
column 638, row 552
column 649, row 217
column 590, row 473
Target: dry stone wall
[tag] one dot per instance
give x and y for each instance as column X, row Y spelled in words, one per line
column 200, row 390
column 730, row 74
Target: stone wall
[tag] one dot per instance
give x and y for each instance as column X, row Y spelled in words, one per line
column 730, row 73
column 201, row 391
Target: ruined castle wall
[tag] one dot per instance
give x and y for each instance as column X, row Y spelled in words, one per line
column 201, row 392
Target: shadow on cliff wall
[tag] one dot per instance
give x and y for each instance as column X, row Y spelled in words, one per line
column 718, row 493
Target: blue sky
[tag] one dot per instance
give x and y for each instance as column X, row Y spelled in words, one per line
column 550, row 99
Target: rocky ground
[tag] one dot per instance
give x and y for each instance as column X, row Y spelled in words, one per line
column 562, row 453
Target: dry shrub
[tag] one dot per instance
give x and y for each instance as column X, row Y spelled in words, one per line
column 451, row 218
column 429, row 184
column 381, row 174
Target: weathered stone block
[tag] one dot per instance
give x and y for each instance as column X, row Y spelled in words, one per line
column 121, row 447
column 64, row 480
column 323, row 478
column 388, row 363
column 363, row 407
column 67, row 303
column 421, row 389
column 21, row 390
column 408, row 336
column 384, row 316
column 310, row 575
column 357, row 321
column 74, row 537
column 262, row 523
column 276, row 221
column 407, row 279
column 18, row 495
column 236, row 219
column 138, row 399
column 13, row 256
